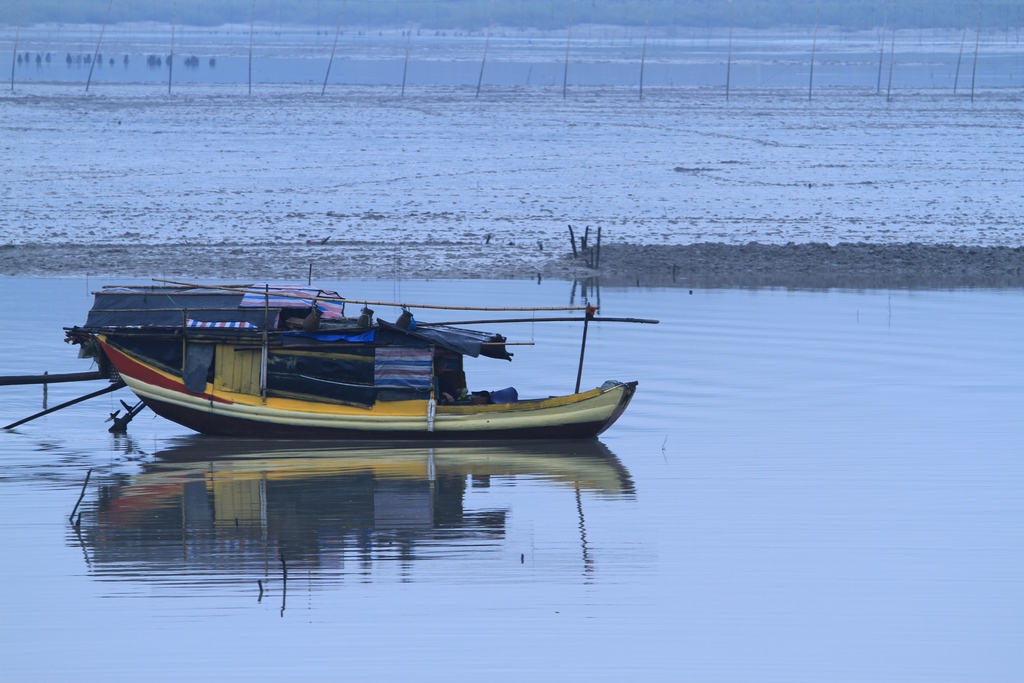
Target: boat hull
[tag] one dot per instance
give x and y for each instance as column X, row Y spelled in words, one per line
column 575, row 416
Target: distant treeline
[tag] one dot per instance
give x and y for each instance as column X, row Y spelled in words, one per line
column 472, row 15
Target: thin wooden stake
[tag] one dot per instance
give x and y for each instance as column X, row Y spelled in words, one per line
column 977, row 42
column 583, row 350
column 405, row 67
column 170, row 57
column 96, row 52
column 892, row 54
column 814, row 48
column 881, row 50
column 643, row 52
column 17, row 34
column 252, row 28
column 337, row 33
column 71, row 517
column 487, row 44
column 959, row 58
column 728, row 61
column 572, row 241
column 568, row 40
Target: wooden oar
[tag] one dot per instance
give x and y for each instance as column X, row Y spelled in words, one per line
column 106, row 390
column 367, row 302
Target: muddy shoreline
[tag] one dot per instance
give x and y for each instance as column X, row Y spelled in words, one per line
column 706, row 265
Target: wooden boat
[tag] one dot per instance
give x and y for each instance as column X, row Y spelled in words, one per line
column 285, row 362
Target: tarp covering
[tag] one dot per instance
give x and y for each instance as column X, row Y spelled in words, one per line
column 140, row 307
column 402, row 367
column 168, row 307
column 465, row 342
column 295, row 297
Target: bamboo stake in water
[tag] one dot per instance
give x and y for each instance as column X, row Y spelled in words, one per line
column 892, row 54
column 405, row 67
column 814, row 48
column 17, row 34
column 881, row 51
column 487, row 44
column 252, row 28
column 96, row 52
column 337, row 32
column 170, row 57
column 643, row 52
column 977, row 41
column 568, row 40
column 728, row 61
column 959, row 58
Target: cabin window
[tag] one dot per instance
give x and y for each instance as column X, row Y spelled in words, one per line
column 341, row 377
column 156, row 352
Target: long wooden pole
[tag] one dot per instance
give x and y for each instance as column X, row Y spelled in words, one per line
column 977, row 42
column 568, row 41
column 252, row 28
column 405, row 65
column 106, row 390
column 17, row 34
column 170, row 57
column 566, row 319
column 335, row 47
column 643, row 51
column 96, row 52
column 728, row 60
column 583, row 349
column 814, row 48
column 959, row 58
column 49, row 379
column 487, row 44
column 249, row 290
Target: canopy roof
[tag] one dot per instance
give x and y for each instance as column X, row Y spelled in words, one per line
column 256, row 306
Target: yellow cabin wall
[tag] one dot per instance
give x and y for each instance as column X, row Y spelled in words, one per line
column 236, row 371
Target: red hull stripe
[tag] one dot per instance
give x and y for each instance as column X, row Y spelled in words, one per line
column 137, row 370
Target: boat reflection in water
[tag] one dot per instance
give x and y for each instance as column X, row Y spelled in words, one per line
column 233, row 511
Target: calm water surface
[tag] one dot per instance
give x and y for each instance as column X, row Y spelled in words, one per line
column 808, row 486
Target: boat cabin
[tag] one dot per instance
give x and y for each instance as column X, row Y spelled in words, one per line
column 282, row 342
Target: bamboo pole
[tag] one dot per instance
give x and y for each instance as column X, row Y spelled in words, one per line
column 814, row 48
column 96, row 52
column 17, row 34
column 583, row 349
column 252, row 28
column 487, row 44
column 249, row 290
column 405, row 65
column 959, row 58
column 568, row 41
column 977, row 42
column 643, row 51
column 646, row 321
column 11, row 380
column 105, row 390
column 728, row 61
column 337, row 32
column 170, row 57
